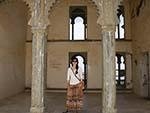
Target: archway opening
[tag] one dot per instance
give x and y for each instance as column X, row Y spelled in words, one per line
column 82, row 58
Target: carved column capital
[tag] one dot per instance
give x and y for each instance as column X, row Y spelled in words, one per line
column 110, row 28
column 38, row 31
column 108, row 12
column 39, row 13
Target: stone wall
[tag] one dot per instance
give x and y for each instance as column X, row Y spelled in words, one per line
column 13, row 25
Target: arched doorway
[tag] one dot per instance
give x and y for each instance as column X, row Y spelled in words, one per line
column 82, row 58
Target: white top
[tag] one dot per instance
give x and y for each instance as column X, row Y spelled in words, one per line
column 71, row 77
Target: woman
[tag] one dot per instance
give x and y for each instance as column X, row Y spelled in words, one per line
column 74, row 87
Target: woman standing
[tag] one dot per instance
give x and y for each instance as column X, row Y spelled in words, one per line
column 74, row 87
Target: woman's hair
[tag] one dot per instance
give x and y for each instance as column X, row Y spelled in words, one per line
column 77, row 67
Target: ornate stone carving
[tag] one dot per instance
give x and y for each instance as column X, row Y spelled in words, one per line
column 29, row 3
column 40, row 20
column 52, row 2
column 108, row 12
column 39, row 13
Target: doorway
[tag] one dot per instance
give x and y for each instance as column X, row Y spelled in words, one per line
column 82, row 58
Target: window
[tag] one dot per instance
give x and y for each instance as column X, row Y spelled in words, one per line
column 119, row 34
column 120, row 70
column 78, row 23
column 81, row 63
column 79, row 29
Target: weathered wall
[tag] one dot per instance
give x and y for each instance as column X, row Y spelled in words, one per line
column 12, row 48
column 140, row 26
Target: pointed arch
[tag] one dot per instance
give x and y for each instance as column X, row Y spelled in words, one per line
column 95, row 2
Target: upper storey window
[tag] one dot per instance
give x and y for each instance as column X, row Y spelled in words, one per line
column 119, row 34
column 78, row 22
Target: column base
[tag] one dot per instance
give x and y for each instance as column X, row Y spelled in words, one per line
column 115, row 111
column 110, row 111
column 37, row 110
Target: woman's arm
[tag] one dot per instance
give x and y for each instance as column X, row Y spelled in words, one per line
column 68, row 76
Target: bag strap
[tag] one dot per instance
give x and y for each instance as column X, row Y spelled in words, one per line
column 75, row 75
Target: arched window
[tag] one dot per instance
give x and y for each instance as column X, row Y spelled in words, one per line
column 79, row 29
column 120, row 32
column 78, row 23
column 82, row 58
column 121, row 26
column 81, row 63
column 70, row 33
column 120, row 70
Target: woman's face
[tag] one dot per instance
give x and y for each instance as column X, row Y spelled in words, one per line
column 74, row 62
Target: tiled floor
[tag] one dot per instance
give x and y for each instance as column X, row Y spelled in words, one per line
column 55, row 103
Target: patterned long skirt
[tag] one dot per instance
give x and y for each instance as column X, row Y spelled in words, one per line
column 74, row 97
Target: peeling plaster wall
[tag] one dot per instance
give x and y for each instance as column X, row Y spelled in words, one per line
column 12, row 48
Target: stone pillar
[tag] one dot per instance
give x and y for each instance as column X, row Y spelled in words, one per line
column 109, row 86
column 39, row 22
column 108, row 20
column 38, row 55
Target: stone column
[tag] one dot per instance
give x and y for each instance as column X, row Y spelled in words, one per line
column 39, row 22
column 109, row 86
column 38, row 55
column 108, row 20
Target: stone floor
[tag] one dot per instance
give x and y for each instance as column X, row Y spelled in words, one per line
column 55, row 103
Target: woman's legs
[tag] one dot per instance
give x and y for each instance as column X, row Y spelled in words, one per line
column 69, row 99
column 74, row 99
